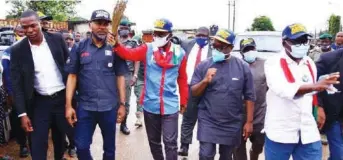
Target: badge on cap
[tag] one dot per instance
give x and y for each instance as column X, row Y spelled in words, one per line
column 110, row 64
column 108, row 52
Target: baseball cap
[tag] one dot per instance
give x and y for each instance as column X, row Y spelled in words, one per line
column 124, row 22
column 70, row 36
column 225, row 36
column 203, row 31
column 101, row 15
column 246, row 43
column 43, row 16
column 325, row 36
column 294, row 31
column 163, row 25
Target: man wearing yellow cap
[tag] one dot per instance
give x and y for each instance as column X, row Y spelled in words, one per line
column 221, row 82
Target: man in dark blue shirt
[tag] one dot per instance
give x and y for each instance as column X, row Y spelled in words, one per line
column 99, row 75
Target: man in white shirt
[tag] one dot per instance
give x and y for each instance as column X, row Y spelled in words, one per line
column 290, row 126
column 38, row 82
column 197, row 51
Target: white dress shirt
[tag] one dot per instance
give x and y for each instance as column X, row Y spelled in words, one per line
column 289, row 117
column 192, row 57
column 48, row 79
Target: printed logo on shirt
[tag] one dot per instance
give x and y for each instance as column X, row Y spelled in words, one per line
column 84, row 54
column 108, row 53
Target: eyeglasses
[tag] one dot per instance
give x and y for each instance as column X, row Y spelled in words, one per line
column 298, row 42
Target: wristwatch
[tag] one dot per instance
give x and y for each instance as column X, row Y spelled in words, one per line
column 123, row 104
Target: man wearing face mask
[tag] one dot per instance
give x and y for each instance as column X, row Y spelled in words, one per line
column 290, row 126
column 249, row 54
column 324, row 47
column 197, row 50
column 98, row 75
column 165, row 64
column 221, row 82
column 130, row 77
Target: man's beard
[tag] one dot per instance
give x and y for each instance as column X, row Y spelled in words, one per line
column 100, row 38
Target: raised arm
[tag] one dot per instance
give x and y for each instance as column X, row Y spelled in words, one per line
column 132, row 54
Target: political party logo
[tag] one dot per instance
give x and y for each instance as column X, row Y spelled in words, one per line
column 247, row 41
column 101, row 14
column 223, row 34
column 296, row 28
column 159, row 24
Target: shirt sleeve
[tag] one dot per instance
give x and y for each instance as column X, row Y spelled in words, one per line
column 73, row 61
column 182, row 81
column 248, row 90
column 276, row 80
column 132, row 54
column 121, row 67
column 6, row 75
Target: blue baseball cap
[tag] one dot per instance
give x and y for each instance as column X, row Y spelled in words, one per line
column 248, row 42
column 294, row 31
column 163, row 25
column 225, row 36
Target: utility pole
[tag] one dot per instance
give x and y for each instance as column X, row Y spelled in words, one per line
column 229, row 5
column 234, row 15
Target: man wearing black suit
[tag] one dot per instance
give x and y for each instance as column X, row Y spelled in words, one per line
column 38, row 81
column 197, row 50
column 328, row 63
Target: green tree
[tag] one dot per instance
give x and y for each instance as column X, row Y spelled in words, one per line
column 59, row 10
column 262, row 23
column 334, row 24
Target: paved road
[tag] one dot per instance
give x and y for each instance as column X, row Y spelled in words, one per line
column 132, row 147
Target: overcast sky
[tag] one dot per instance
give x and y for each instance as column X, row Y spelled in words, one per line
column 194, row 13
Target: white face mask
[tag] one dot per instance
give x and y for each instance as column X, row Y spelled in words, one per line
column 160, row 42
column 299, row 51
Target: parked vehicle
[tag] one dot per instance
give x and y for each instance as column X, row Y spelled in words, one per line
column 268, row 43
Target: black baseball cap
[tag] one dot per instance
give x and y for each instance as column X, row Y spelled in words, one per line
column 101, row 15
column 248, row 42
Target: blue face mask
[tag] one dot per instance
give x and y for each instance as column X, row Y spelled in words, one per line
column 201, row 41
column 250, row 56
column 217, row 56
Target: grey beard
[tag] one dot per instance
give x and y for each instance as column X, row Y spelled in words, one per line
column 100, row 38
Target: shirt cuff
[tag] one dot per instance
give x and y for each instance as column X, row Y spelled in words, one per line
column 22, row 115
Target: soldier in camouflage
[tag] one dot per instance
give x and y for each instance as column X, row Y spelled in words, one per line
column 324, row 46
column 131, row 77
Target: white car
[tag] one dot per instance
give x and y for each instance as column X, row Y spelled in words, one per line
column 268, row 43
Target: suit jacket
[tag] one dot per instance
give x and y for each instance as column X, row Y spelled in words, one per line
column 333, row 104
column 23, row 73
column 189, row 44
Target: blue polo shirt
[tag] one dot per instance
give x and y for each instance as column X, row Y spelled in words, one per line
column 97, row 70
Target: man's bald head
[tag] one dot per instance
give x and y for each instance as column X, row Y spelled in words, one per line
column 339, row 38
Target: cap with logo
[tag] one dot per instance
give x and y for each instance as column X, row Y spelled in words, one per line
column 248, row 42
column 163, row 25
column 325, row 36
column 225, row 36
column 70, row 36
column 43, row 16
column 294, row 31
column 100, row 15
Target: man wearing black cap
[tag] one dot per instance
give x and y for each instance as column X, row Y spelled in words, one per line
column 197, row 50
column 99, row 75
column 130, row 77
column 256, row 65
column 45, row 21
column 290, row 125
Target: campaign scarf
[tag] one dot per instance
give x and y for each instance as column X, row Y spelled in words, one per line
column 290, row 78
column 170, row 59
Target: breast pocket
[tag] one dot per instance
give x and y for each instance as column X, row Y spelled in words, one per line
column 108, row 65
column 86, row 62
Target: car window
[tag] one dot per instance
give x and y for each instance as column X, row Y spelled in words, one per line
column 264, row 43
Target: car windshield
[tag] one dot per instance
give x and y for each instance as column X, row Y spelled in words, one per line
column 264, row 43
column 6, row 39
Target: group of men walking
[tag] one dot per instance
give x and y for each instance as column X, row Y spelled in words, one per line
column 270, row 102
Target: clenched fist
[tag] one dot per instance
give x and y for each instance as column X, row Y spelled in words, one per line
column 211, row 72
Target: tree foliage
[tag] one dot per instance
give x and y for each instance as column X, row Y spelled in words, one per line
column 59, row 10
column 262, row 23
column 334, row 24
